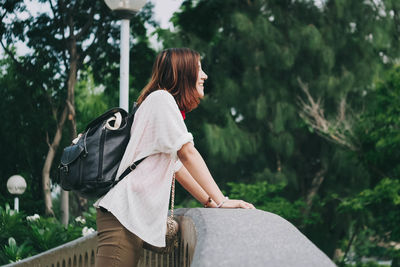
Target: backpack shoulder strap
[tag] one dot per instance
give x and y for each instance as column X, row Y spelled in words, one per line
column 135, row 106
column 128, row 170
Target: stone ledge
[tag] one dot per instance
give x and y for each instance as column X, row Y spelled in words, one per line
column 238, row 237
column 81, row 252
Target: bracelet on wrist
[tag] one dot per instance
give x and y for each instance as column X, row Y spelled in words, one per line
column 209, row 200
column 222, row 202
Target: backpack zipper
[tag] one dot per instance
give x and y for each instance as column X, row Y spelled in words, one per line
column 101, row 153
column 80, row 171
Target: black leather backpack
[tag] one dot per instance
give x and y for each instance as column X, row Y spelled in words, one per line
column 90, row 166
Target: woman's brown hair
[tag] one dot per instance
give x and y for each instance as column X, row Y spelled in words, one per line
column 175, row 70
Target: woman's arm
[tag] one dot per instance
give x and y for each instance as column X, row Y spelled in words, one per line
column 197, row 168
column 190, row 184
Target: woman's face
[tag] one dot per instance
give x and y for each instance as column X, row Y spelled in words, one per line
column 201, row 77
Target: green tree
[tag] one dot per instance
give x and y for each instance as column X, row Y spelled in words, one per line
column 376, row 210
column 259, row 55
column 378, row 131
column 64, row 38
column 22, row 134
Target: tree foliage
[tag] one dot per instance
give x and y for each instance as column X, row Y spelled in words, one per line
column 22, row 134
column 379, row 127
column 375, row 210
column 63, row 38
column 265, row 60
column 249, row 128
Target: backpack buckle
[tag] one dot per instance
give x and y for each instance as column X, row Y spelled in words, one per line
column 64, row 168
column 130, row 167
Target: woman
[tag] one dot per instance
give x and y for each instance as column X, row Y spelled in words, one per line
column 136, row 209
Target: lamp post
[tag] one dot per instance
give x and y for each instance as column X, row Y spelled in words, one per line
column 125, row 10
column 16, row 185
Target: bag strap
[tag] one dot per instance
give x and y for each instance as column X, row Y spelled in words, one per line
column 128, row 170
column 133, row 166
column 135, row 106
column 172, row 196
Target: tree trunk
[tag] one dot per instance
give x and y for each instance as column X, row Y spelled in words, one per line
column 48, row 162
column 73, row 69
column 82, row 204
column 64, row 207
column 278, row 163
column 315, row 185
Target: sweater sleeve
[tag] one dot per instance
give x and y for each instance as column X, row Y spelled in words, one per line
column 178, row 165
column 170, row 132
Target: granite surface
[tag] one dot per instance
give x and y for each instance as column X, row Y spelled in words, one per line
column 238, row 237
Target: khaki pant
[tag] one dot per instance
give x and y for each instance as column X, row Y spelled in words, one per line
column 116, row 245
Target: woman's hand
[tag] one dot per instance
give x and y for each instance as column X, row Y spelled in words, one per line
column 235, row 203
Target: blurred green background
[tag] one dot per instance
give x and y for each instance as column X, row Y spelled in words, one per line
column 301, row 115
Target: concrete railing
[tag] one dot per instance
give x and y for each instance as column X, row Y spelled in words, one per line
column 210, row 237
column 80, row 252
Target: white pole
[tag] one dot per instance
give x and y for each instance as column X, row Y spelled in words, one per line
column 124, row 66
column 16, row 204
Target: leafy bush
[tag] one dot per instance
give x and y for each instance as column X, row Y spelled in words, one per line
column 378, row 212
column 46, row 233
column 11, row 224
column 23, row 236
column 12, row 252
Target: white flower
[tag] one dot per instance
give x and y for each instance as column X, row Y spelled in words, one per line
column 80, row 219
column 87, row 231
column 33, row 218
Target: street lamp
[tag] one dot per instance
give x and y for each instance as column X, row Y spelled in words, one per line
column 16, row 185
column 125, row 10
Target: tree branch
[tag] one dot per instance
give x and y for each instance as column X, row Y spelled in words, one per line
column 48, row 139
column 75, row 7
column 353, row 236
column 11, row 55
column 2, row 16
column 87, row 25
column 71, row 108
column 62, row 26
column 23, row 68
column 86, row 51
column 53, row 9
column 315, row 185
column 339, row 131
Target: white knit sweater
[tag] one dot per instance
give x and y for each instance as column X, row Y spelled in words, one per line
column 140, row 201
